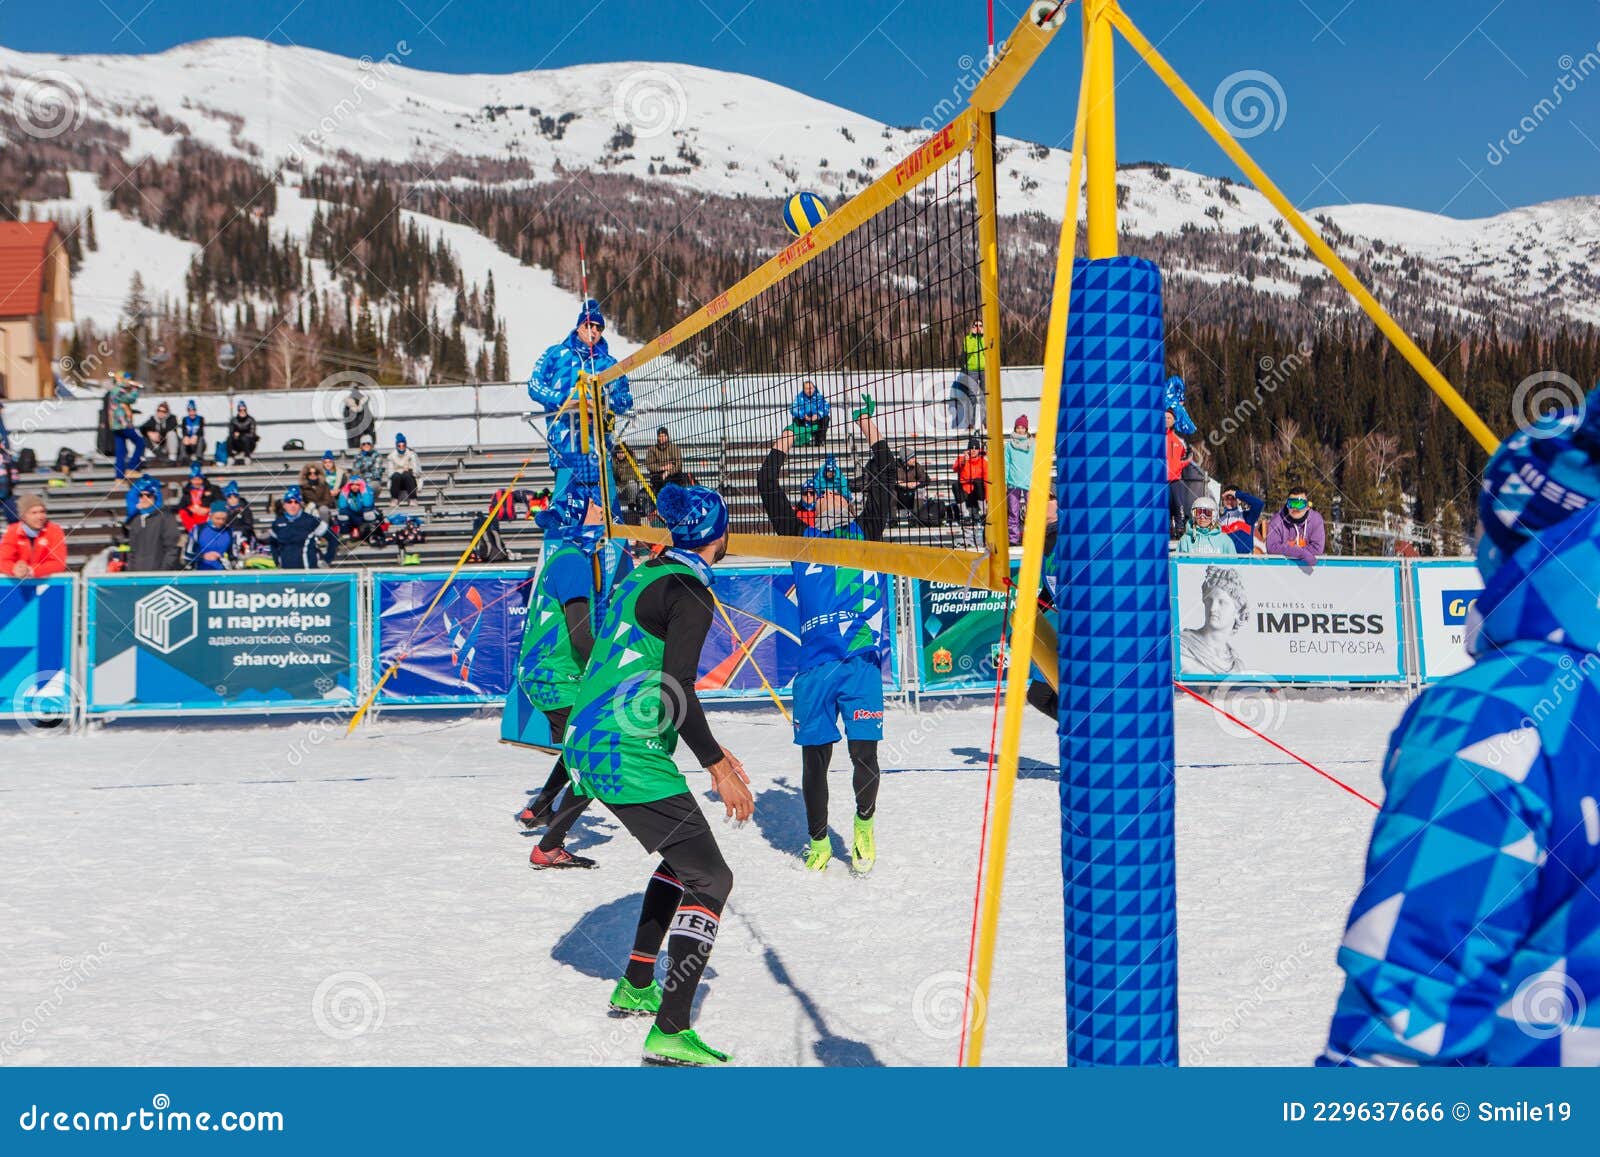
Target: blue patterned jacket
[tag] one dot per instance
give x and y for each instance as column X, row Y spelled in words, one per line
column 1475, row 938
column 551, row 384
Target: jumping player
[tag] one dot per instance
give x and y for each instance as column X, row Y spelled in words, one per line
column 842, row 617
column 1476, row 935
column 636, row 699
column 581, row 569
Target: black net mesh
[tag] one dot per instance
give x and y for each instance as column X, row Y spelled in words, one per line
column 884, row 315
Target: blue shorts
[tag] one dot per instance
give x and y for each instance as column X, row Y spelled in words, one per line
column 850, row 689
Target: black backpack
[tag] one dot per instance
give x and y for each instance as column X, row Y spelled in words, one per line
column 27, row 461
column 66, row 461
column 491, row 547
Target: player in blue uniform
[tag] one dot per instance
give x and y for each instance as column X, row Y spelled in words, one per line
column 843, row 617
column 1475, row 939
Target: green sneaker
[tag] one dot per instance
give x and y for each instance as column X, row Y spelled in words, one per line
column 680, row 1048
column 818, row 854
column 864, row 848
column 626, row 1000
column 866, row 409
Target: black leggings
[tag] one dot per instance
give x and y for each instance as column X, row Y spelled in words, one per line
column 814, row 761
column 557, row 792
column 683, row 901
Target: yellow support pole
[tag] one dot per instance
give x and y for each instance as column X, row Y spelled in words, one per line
column 989, row 286
column 1099, row 61
column 1324, row 252
column 1027, row 613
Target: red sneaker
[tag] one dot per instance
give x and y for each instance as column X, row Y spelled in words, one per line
column 540, row 859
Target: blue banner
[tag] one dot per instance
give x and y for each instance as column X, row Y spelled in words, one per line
column 36, row 647
column 465, row 651
column 263, row 640
column 761, row 605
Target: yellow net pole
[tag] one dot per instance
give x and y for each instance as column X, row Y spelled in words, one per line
column 983, row 157
column 1323, row 251
column 1100, row 139
column 1027, row 613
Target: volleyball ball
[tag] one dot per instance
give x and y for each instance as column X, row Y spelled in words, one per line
column 804, row 212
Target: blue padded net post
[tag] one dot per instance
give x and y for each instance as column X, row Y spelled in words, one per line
column 1116, row 673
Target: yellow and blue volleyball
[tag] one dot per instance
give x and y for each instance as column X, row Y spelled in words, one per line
column 803, row 213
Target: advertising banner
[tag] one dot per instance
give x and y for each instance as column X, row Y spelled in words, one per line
column 761, row 605
column 36, row 647
column 958, row 635
column 257, row 640
column 1274, row 619
column 466, row 651
column 1444, row 592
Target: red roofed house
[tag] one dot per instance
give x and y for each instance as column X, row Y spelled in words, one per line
column 35, row 294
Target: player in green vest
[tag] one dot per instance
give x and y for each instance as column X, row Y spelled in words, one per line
column 636, row 700
column 580, row 571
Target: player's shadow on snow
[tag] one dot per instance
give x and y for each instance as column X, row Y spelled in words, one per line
column 1026, row 768
column 781, row 818
column 598, row 943
column 829, row 1048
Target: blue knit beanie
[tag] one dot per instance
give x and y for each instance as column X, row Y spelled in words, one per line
column 1539, row 477
column 292, row 494
column 565, row 512
column 695, row 516
column 590, row 312
column 229, row 490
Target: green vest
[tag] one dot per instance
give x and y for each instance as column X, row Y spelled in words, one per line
column 619, row 742
column 547, row 667
column 972, row 347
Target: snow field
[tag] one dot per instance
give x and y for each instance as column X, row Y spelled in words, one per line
column 282, row 895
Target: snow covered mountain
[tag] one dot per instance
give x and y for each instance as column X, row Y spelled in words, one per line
column 736, row 135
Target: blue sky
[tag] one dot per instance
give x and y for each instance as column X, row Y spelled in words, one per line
column 1409, row 102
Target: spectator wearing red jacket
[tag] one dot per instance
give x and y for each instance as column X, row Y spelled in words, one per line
column 1177, row 461
column 971, row 486
column 33, row 546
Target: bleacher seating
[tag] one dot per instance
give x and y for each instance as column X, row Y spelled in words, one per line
column 455, row 487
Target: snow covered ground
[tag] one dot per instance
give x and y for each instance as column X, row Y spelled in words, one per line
column 278, row 894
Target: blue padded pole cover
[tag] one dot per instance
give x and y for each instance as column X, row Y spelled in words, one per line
column 1116, row 673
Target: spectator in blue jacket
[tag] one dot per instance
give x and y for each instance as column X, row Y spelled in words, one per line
column 1475, row 938
column 191, row 435
column 212, row 545
column 551, row 386
column 358, row 508
column 810, row 411
column 830, row 478
column 1240, row 513
column 241, row 519
column 296, row 534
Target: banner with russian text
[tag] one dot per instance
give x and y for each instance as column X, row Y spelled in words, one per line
column 261, row 641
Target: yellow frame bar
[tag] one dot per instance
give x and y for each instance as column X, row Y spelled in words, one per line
column 942, row 147
column 1391, row 329
column 1012, row 61
column 1026, row 616
column 966, row 568
column 1100, row 126
column 983, row 164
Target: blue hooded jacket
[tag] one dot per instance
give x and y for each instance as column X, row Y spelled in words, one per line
column 1176, row 394
column 554, row 378
column 1475, row 939
column 809, row 407
column 821, row 483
